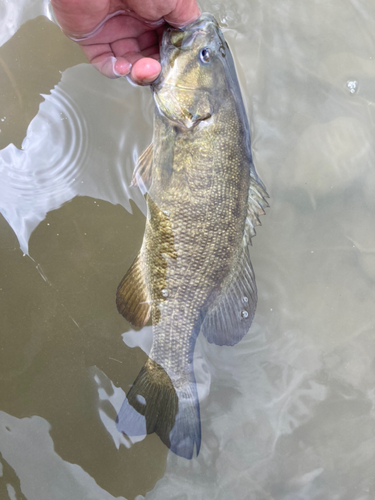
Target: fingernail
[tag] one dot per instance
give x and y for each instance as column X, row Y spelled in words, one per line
column 121, row 74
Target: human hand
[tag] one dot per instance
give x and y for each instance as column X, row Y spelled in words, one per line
column 121, row 37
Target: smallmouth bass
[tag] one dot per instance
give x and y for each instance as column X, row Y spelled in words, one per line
column 193, row 272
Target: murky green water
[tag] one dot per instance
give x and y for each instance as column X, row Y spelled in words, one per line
column 289, row 412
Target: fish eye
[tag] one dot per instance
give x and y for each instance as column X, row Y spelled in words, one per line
column 205, row 55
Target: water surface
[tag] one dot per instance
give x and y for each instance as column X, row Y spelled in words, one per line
column 288, row 413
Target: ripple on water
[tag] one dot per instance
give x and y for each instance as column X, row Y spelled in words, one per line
column 61, row 131
column 76, row 145
column 41, row 175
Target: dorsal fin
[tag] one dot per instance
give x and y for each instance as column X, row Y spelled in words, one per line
column 257, row 203
column 132, row 298
column 142, row 175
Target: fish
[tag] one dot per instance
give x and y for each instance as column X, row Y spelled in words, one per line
column 193, row 273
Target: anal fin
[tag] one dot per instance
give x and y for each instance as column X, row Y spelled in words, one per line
column 132, row 298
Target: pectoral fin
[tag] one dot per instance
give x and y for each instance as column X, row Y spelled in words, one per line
column 142, row 175
column 230, row 316
column 132, row 297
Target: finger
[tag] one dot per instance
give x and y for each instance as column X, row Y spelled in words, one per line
column 185, row 12
column 115, row 28
column 101, row 56
column 125, row 46
column 152, row 52
column 145, row 71
column 122, row 66
column 110, row 66
column 81, row 16
column 146, row 45
column 175, row 12
column 148, row 39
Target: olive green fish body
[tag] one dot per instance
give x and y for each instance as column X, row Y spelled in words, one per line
column 193, row 273
column 204, row 197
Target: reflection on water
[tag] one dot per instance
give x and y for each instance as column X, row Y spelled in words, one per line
column 64, row 154
column 27, row 447
column 27, row 72
column 290, row 410
column 51, row 166
column 12, row 15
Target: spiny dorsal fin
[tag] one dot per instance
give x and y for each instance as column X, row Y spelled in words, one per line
column 132, row 298
column 230, row 316
column 256, row 206
column 142, row 175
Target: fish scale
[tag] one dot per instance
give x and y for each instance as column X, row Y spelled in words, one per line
column 204, row 199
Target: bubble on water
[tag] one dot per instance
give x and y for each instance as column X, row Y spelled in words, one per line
column 352, row 86
column 245, row 299
column 164, row 292
column 244, row 314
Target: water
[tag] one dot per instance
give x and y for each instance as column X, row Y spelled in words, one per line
column 289, row 412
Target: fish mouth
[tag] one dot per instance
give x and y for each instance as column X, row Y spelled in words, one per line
column 184, row 104
column 206, row 24
column 175, row 39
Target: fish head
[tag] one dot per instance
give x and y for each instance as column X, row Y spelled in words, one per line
column 194, row 72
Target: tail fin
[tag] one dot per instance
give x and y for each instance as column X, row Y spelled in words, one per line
column 154, row 404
